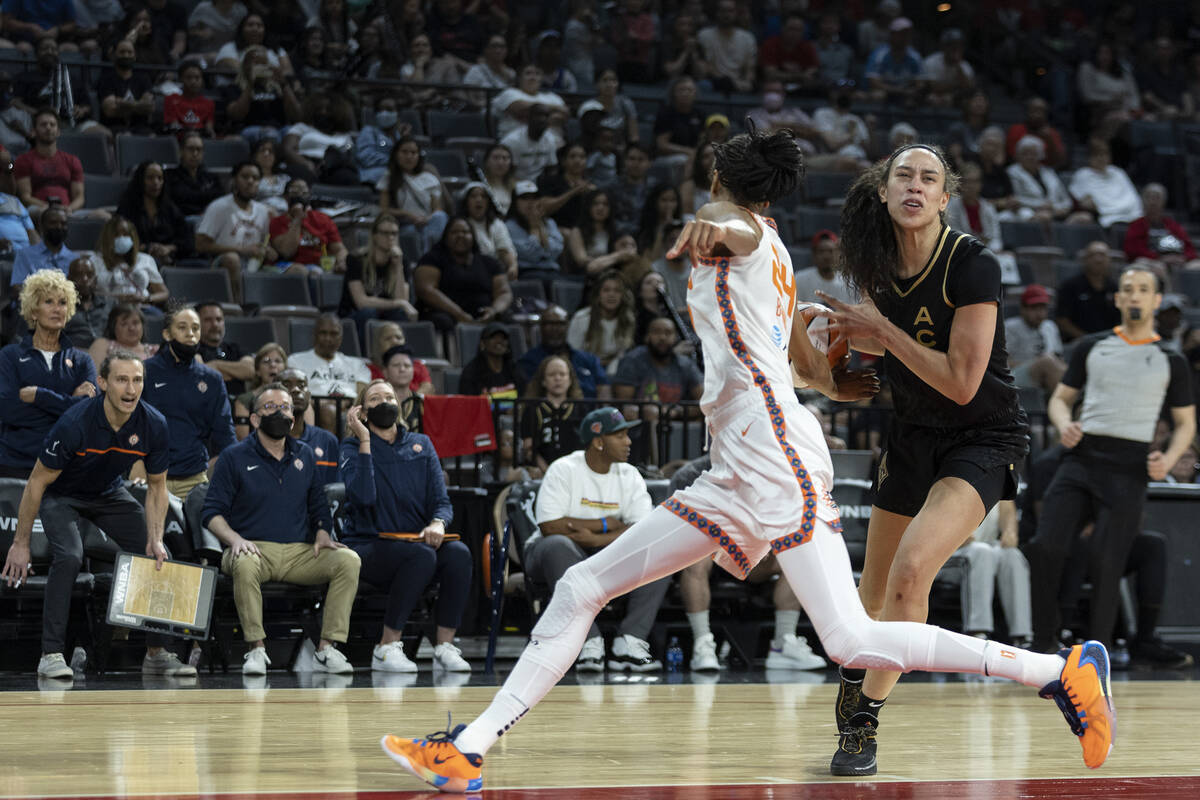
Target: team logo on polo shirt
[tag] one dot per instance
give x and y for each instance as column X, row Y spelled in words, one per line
column 202, row 386
column 133, row 439
column 70, row 363
column 320, row 451
column 417, row 448
column 298, row 464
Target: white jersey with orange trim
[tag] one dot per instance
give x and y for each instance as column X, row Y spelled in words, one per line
column 747, row 303
column 769, row 483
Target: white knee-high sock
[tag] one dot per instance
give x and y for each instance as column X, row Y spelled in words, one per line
column 699, row 622
column 786, row 622
column 819, row 573
column 659, row 545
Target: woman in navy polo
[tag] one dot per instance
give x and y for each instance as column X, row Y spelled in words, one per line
column 398, row 513
column 43, row 375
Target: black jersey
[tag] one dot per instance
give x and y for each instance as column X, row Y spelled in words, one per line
column 960, row 272
column 555, row 431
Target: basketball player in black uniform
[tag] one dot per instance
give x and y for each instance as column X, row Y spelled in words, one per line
column 932, row 310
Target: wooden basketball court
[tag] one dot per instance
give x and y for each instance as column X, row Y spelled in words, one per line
column 940, row 739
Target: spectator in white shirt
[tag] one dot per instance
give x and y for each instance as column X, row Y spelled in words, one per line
column 842, row 131
column 823, row 274
column 1033, row 342
column 413, row 194
column 534, row 146
column 491, row 72
column 236, row 229
column 1104, row 189
column 587, row 499
column 731, row 52
column 950, row 76
column 330, row 373
column 511, row 107
column 1039, row 193
column 125, row 274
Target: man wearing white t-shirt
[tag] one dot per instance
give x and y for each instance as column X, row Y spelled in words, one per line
column 587, row 499
column 330, row 372
column 1034, row 346
column 534, row 146
column 511, row 106
column 823, row 275
column 235, row 229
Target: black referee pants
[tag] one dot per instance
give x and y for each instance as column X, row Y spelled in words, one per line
column 1085, row 489
column 122, row 519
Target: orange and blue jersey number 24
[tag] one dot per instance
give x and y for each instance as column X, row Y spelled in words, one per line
column 785, row 284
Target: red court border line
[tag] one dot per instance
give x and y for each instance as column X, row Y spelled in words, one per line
column 1158, row 788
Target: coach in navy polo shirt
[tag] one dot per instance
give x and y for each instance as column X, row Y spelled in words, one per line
column 78, row 474
column 398, row 511
column 265, row 502
column 193, row 399
column 41, row 377
column 323, row 443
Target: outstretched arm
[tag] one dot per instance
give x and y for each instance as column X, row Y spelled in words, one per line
column 719, row 223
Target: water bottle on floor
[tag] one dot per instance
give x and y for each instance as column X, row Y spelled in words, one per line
column 674, row 655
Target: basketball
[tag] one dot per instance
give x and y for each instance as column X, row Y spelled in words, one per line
column 808, row 314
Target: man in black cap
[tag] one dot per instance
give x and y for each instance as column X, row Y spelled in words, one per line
column 587, row 499
column 492, row 371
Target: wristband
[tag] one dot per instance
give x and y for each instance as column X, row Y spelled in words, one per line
column 604, row 523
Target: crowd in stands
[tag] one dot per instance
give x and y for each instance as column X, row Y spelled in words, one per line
column 519, row 171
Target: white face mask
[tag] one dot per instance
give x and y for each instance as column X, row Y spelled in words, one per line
column 122, row 245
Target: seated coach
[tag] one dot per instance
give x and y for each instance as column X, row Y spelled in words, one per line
column 265, row 502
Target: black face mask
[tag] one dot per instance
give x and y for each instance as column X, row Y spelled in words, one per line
column 123, row 63
column 184, row 352
column 275, row 425
column 54, row 237
column 383, row 415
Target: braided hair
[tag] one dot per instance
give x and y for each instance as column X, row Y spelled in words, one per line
column 869, row 253
column 759, row 167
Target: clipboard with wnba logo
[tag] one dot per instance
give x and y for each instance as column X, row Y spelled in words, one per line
column 177, row 600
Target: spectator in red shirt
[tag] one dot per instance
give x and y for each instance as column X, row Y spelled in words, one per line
column 1037, row 123
column 190, row 111
column 46, row 174
column 306, row 239
column 1158, row 238
column 789, row 57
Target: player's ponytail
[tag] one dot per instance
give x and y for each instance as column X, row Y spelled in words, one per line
column 759, row 167
column 869, row 256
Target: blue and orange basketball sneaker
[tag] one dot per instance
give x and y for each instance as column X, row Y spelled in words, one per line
column 437, row 761
column 1082, row 693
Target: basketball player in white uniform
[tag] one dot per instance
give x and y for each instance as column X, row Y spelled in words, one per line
column 768, row 489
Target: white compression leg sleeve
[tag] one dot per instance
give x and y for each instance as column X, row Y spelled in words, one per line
column 659, row 545
column 819, row 572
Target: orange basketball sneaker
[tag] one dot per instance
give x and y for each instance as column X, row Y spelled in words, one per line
column 437, row 761
column 1082, row 693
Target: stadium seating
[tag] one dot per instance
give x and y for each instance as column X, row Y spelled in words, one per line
column 133, row 150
